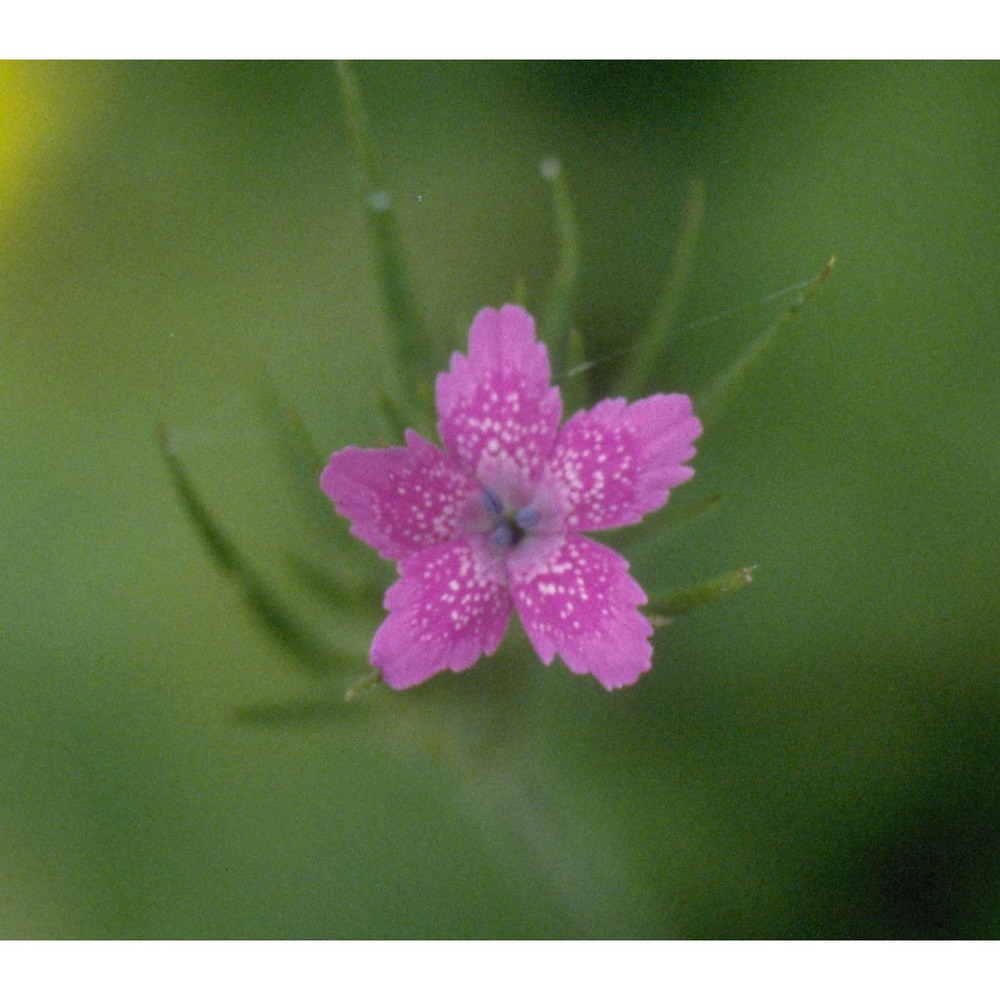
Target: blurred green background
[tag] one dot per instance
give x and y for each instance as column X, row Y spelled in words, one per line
column 817, row 756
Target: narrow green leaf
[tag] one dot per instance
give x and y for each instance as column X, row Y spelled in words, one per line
column 302, row 712
column 413, row 347
column 304, row 464
column 557, row 320
column 302, row 460
column 285, row 627
column 266, row 607
column 662, row 607
column 363, row 686
column 645, row 363
column 337, row 588
column 673, row 515
column 308, row 711
column 285, row 421
column 392, row 414
column 220, row 548
column 666, row 518
column 574, row 382
column 710, row 402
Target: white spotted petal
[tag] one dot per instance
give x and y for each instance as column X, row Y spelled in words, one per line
column 580, row 602
column 399, row 500
column 449, row 606
column 498, row 402
column 619, row 462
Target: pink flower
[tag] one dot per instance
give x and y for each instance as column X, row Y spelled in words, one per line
column 495, row 520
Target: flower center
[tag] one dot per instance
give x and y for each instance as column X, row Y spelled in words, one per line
column 508, row 526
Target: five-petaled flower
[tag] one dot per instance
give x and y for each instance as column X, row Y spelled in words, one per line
column 495, row 520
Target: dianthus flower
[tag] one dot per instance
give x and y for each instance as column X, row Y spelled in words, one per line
column 494, row 521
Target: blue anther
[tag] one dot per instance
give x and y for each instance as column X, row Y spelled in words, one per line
column 504, row 535
column 492, row 503
column 527, row 517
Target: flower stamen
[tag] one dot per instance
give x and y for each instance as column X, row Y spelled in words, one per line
column 508, row 526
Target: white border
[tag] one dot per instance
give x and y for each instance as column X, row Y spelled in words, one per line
column 626, row 29
column 487, row 970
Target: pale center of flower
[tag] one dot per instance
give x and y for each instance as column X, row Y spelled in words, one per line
column 508, row 525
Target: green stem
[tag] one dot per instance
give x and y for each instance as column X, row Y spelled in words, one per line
column 666, row 518
column 661, row 608
column 574, row 382
column 710, row 402
column 269, row 610
column 650, row 354
column 414, row 350
column 557, row 321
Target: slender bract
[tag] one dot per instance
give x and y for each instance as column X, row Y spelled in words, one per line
column 301, row 462
column 667, row 517
column 646, row 362
column 678, row 602
column 557, row 319
column 264, row 604
column 711, row 401
column 411, row 343
column 301, row 712
column 574, row 381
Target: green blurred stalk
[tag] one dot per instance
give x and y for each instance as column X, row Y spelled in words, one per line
column 709, row 402
column 557, row 320
column 264, row 604
column 574, row 383
column 412, row 345
column 647, row 360
column 302, row 461
column 667, row 517
column 393, row 415
column 662, row 607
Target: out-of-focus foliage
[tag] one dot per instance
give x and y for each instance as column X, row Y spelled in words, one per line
column 814, row 756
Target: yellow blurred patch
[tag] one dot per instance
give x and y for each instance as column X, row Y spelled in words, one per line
column 43, row 105
column 27, row 114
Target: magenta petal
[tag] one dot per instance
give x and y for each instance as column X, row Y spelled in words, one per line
column 498, row 401
column 619, row 462
column 449, row 606
column 581, row 603
column 399, row 500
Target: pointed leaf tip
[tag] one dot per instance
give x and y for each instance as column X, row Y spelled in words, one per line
column 292, row 713
column 412, row 343
column 662, row 608
column 264, row 603
column 646, row 362
column 711, row 400
column 363, row 686
column 557, row 318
